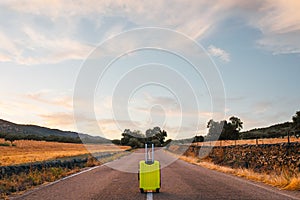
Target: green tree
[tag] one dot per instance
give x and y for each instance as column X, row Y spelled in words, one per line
column 135, row 143
column 214, row 129
column 11, row 138
column 296, row 121
column 198, row 139
column 296, row 124
column 231, row 130
column 135, row 138
column 116, row 141
column 224, row 130
column 236, row 123
column 156, row 135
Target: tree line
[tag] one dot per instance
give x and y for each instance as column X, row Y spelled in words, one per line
column 136, row 139
column 230, row 130
column 50, row 138
column 217, row 130
column 224, row 130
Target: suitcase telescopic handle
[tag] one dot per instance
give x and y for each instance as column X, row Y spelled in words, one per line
column 147, row 153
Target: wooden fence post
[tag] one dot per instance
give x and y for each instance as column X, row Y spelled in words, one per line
column 288, row 137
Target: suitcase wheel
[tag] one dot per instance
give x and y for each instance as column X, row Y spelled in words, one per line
column 157, row 190
column 142, row 190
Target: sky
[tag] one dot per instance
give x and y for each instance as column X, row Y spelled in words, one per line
column 86, row 66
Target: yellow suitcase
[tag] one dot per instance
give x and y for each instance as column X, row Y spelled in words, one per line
column 149, row 173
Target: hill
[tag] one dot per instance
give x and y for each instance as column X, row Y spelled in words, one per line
column 274, row 131
column 23, row 131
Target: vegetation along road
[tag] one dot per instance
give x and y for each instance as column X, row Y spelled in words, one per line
column 180, row 180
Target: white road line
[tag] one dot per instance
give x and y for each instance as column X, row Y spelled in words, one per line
column 28, row 192
column 149, row 196
column 72, row 175
column 257, row 184
column 57, row 181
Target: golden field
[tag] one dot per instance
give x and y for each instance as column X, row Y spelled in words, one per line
column 31, row 151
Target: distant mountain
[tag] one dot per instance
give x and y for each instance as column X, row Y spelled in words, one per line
column 274, row 131
column 23, row 130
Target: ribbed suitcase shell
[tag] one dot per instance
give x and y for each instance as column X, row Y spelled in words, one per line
column 149, row 172
column 149, row 175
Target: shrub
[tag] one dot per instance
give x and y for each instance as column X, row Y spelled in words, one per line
column 5, row 144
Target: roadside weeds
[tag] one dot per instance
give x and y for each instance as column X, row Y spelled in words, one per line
column 18, row 184
column 284, row 181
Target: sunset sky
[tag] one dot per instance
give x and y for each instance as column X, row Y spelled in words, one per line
column 254, row 47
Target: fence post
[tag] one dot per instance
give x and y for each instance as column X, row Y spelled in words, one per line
column 256, row 141
column 288, row 137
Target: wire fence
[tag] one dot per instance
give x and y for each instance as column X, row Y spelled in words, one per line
column 248, row 141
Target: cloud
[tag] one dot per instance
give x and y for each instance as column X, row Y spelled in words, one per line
column 51, row 98
column 219, row 53
column 40, row 48
column 106, row 122
column 32, row 43
column 161, row 100
column 8, row 48
column 60, row 119
column 235, row 99
column 141, row 13
column 279, row 24
column 262, row 107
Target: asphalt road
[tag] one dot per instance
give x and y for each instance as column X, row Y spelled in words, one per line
column 180, row 180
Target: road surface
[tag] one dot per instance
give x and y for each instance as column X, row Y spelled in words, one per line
column 180, row 180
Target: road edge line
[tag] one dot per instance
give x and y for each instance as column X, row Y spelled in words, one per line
column 54, row 182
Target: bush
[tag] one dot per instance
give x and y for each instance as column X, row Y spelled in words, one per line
column 116, row 142
column 5, row 144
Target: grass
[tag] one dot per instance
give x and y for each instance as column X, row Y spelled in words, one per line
column 26, row 151
column 24, row 181
column 285, row 180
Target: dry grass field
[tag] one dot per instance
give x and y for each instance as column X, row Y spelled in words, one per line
column 283, row 181
column 31, row 151
column 248, row 142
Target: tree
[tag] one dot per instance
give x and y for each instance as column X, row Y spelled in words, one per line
column 11, row 138
column 233, row 128
column 224, row 130
column 296, row 121
column 135, row 143
column 168, row 142
column 136, row 139
column 214, row 129
column 229, row 132
column 116, row 142
column 198, row 139
column 236, row 123
column 156, row 135
column 156, row 143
